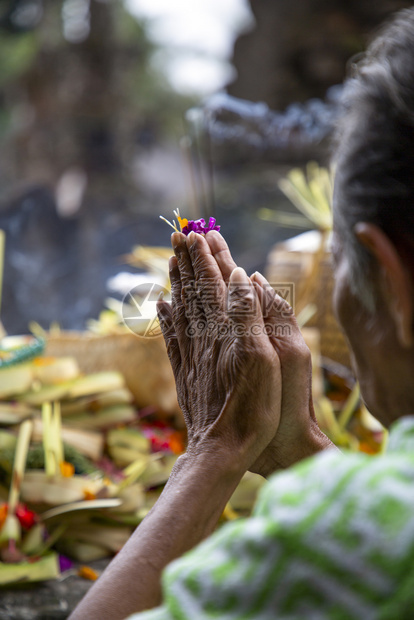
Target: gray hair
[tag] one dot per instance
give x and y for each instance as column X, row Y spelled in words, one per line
column 374, row 154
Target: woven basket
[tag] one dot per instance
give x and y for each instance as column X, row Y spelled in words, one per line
column 312, row 276
column 143, row 362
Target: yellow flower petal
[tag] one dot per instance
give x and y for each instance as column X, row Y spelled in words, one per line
column 183, row 222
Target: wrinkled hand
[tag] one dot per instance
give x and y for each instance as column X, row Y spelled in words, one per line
column 226, row 370
column 298, row 434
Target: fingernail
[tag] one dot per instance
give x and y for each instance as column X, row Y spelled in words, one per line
column 175, row 239
column 161, row 296
column 191, row 237
column 239, row 276
column 259, row 277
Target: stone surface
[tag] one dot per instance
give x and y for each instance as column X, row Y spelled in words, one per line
column 52, row 600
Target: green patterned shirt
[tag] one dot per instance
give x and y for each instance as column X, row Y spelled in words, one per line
column 332, row 537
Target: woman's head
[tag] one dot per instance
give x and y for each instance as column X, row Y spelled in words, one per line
column 374, row 217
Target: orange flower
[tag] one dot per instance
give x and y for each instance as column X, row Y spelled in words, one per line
column 183, row 222
column 88, row 495
column 67, row 469
column 176, row 442
column 364, row 446
column 87, row 573
column 3, row 514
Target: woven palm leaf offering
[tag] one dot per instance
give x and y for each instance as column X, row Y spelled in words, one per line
column 79, row 469
column 84, row 474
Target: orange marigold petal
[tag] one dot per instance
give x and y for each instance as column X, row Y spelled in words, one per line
column 86, row 572
column 183, row 222
column 177, row 443
column 3, row 514
column 367, row 448
column 67, row 469
column 88, row 495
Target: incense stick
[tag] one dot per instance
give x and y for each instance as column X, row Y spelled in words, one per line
column 210, row 171
column 194, row 206
column 196, row 160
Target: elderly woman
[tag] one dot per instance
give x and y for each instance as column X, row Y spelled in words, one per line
column 332, row 537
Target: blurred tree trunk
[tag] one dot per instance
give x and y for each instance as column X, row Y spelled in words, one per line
column 298, row 49
column 76, row 106
column 71, row 101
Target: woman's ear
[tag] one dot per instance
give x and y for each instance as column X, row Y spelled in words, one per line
column 397, row 278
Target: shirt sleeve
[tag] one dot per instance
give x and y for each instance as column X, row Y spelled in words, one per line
column 333, row 537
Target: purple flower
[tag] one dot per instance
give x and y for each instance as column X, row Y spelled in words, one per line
column 196, row 226
column 211, row 225
column 199, row 226
column 65, row 563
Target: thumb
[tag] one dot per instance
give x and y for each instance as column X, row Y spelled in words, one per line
column 274, row 307
column 243, row 302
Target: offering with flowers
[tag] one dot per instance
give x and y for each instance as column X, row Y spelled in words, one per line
column 186, row 226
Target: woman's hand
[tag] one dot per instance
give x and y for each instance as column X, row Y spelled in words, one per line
column 226, row 370
column 298, row 434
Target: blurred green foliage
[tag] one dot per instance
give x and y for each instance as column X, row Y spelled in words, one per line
column 16, row 52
